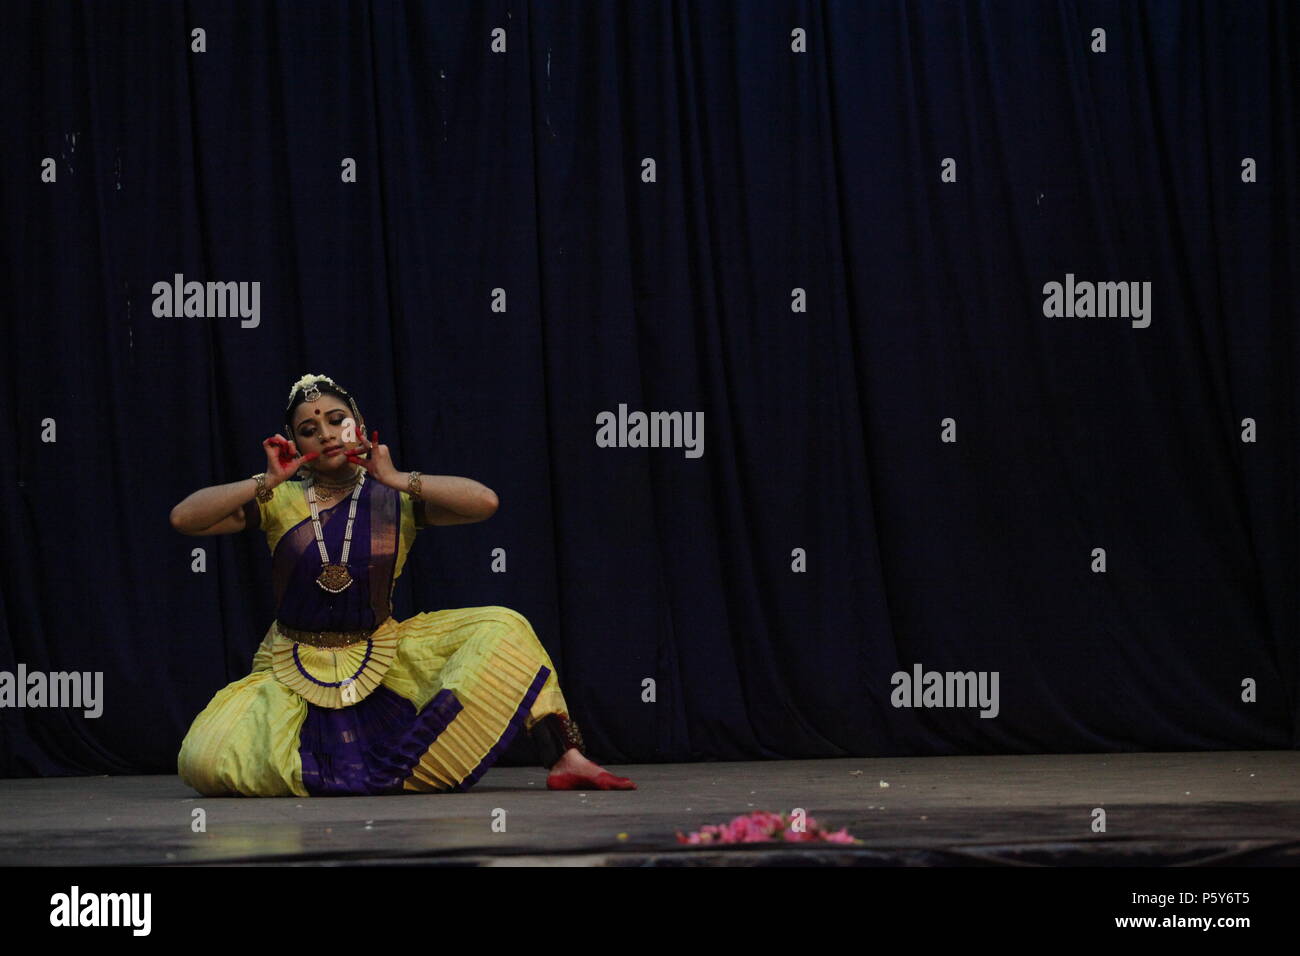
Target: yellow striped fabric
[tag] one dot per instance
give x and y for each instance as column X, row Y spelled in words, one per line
column 246, row 740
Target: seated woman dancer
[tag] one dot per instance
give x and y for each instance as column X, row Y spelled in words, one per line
column 343, row 698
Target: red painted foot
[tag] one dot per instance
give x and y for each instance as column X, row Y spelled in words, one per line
column 602, row 781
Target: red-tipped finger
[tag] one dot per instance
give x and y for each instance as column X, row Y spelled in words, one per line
column 310, row 457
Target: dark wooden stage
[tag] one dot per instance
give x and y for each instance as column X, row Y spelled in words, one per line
column 1227, row 808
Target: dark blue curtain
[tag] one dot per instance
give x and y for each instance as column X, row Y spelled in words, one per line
column 827, row 227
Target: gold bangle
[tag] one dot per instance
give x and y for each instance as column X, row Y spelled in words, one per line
column 264, row 493
column 413, row 485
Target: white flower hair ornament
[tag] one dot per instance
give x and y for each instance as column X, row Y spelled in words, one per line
column 308, row 384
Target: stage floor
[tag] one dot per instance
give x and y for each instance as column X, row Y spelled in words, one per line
column 1235, row 808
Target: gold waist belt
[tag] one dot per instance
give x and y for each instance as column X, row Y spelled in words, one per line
column 330, row 639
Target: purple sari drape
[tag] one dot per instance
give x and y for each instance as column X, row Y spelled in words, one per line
column 301, row 603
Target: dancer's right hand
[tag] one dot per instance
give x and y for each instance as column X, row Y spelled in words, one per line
column 282, row 459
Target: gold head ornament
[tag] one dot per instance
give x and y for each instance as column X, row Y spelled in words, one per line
column 308, row 383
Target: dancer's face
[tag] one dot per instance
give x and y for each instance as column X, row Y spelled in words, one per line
column 318, row 426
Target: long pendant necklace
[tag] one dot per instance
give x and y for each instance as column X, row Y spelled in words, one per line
column 334, row 577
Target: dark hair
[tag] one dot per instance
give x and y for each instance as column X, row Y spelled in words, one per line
column 325, row 388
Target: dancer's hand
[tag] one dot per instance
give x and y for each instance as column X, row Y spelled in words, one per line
column 282, row 459
column 380, row 464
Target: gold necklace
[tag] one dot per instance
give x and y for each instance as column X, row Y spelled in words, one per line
column 334, row 577
column 325, row 492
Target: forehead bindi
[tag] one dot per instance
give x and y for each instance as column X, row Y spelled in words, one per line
column 316, row 412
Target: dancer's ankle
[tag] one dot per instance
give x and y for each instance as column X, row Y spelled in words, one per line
column 571, row 761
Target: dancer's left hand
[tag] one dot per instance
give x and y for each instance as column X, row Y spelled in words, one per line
column 380, row 463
